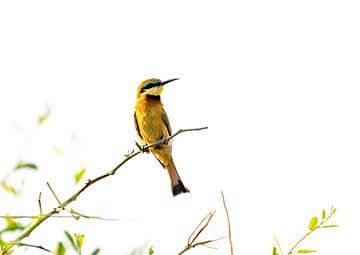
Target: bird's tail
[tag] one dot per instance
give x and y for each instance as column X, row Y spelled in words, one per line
column 177, row 185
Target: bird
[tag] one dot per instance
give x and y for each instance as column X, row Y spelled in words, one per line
column 152, row 125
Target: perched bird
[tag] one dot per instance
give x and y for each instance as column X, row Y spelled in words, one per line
column 152, row 125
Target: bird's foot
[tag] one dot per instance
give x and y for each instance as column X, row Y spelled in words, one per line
column 142, row 148
column 165, row 140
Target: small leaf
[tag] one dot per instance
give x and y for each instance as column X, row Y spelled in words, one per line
column 274, row 251
column 313, row 223
column 79, row 175
column 330, row 226
column 75, row 214
column 151, row 250
column 305, row 251
column 22, row 165
column 60, row 249
column 79, row 240
column 58, row 151
column 71, row 239
column 323, row 214
column 12, row 225
column 8, row 187
column 96, row 251
column 334, row 210
column 43, row 117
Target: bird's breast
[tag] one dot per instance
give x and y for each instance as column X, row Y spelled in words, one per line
column 149, row 117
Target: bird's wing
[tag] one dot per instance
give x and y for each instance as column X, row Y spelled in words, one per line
column 137, row 126
column 165, row 119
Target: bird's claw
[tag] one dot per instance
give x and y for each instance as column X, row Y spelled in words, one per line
column 165, row 140
column 142, row 148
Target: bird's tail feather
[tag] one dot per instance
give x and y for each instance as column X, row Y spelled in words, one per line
column 177, row 185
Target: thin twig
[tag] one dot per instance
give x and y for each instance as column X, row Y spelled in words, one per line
column 40, row 207
column 90, row 182
column 278, row 244
column 57, row 199
column 204, row 243
column 33, row 246
column 204, row 223
column 200, row 227
column 65, row 216
column 229, row 225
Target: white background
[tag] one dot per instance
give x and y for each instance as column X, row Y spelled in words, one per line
column 277, row 82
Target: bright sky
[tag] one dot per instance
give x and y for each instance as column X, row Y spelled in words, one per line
column 276, row 82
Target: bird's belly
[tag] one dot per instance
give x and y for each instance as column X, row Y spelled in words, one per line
column 151, row 127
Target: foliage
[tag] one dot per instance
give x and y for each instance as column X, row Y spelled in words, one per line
column 312, row 226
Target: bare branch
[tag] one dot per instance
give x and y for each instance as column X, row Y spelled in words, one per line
column 197, row 231
column 204, row 223
column 40, row 207
column 65, row 216
column 57, row 199
column 228, row 220
column 32, row 246
column 204, row 243
column 90, row 182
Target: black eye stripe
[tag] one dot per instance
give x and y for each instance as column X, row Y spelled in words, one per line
column 149, row 86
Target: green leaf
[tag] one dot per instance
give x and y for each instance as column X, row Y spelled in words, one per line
column 151, row 250
column 58, row 151
column 43, row 117
column 79, row 175
column 330, row 226
column 305, row 251
column 71, row 239
column 96, row 251
column 60, row 249
column 22, row 165
column 274, row 251
column 323, row 214
column 79, row 240
column 8, row 187
column 75, row 214
column 313, row 223
column 12, row 225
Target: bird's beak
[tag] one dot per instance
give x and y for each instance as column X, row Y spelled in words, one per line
column 167, row 81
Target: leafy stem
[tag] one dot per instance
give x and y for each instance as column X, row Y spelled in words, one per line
column 314, row 225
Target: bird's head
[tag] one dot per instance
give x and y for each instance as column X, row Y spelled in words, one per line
column 153, row 87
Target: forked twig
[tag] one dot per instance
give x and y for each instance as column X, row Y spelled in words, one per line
column 197, row 231
column 204, row 223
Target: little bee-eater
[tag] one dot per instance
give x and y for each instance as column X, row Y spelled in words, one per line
column 152, row 125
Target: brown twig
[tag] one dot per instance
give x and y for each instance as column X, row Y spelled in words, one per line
column 90, row 182
column 33, row 246
column 40, row 207
column 200, row 227
column 228, row 221
column 204, row 223
column 204, row 243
